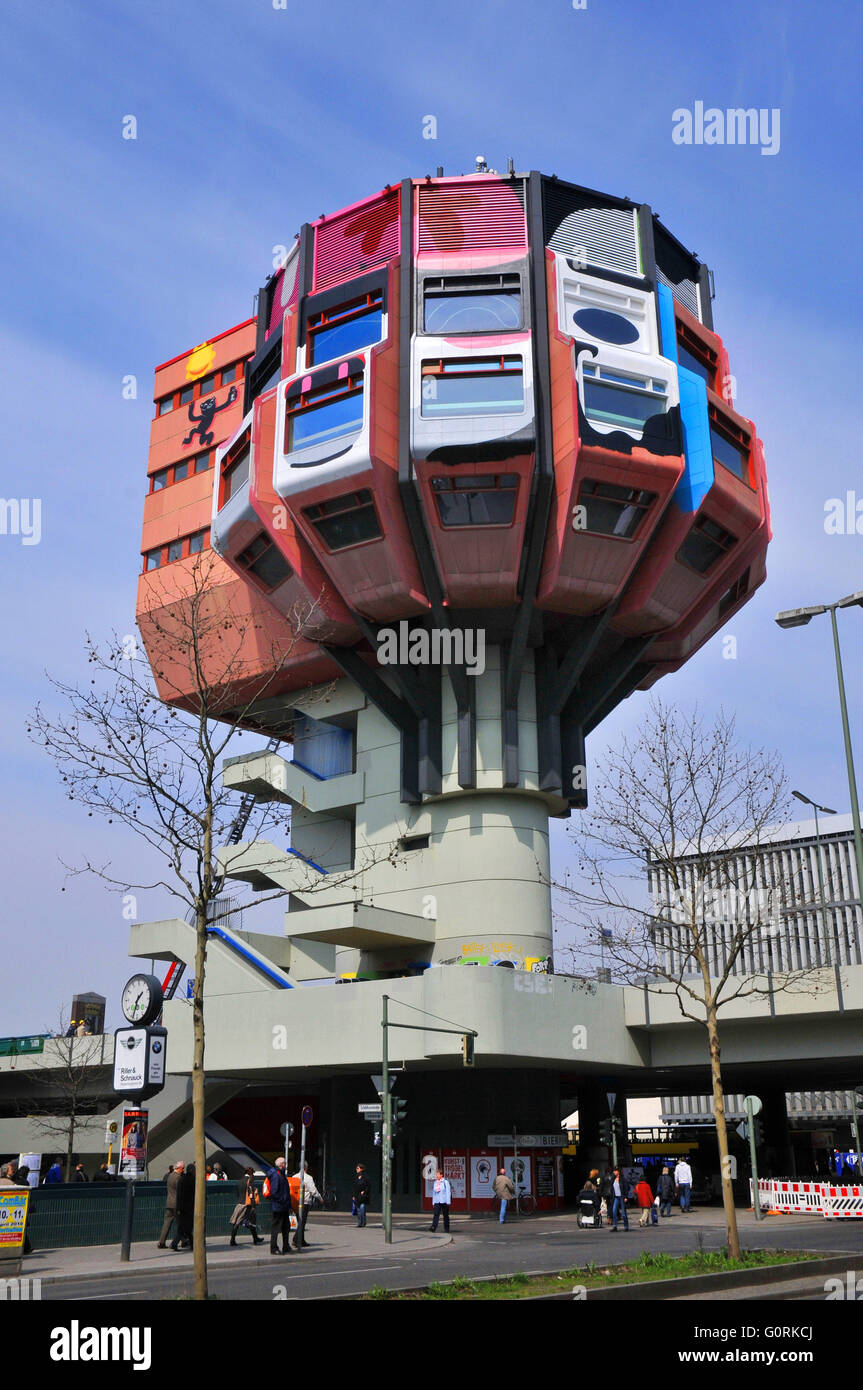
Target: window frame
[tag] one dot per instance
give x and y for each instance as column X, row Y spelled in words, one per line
column 643, row 507
column 219, row 377
column 457, row 286
column 230, row 464
column 349, row 311
column 185, row 552
column 362, row 499
column 246, row 565
column 737, row 438
column 621, row 380
column 465, row 368
column 191, row 463
column 727, row 542
column 483, row 479
column 306, row 403
column 701, row 351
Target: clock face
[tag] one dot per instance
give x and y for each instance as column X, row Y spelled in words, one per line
column 142, row 999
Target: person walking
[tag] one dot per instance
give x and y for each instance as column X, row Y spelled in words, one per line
column 171, row 1182
column 605, row 1187
column 79, row 1175
column 310, row 1195
column 218, row 1174
column 504, row 1191
column 280, row 1195
column 245, row 1213
column 683, row 1183
column 441, row 1201
column 362, row 1195
column 644, row 1198
column 618, row 1200
column 185, row 1209
column 54, row 1174
column 665, row 1192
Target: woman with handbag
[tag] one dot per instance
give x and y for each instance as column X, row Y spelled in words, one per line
column 245, row 1212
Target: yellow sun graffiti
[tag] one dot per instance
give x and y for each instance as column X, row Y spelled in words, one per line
column 200, row 361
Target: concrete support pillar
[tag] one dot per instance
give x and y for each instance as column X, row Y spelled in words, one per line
column 777, row 1158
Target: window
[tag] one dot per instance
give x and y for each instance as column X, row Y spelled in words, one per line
column 207, row 384
column 164, row 405
column 229, row 374
column 195, row 390
column 697, row 356
column 616, row 398
column 159, row 480
column 176, row 550
column 486, row 500
column 265, row 562
column 607, row 326
column 203, row 461
column 612, row 510
column 235, row 469
column 177, row 472
column 181, row 471
column 345, row 521
column 472, row 386
column 737, row 590
column 327, row 413
column 342, row 330
column 730, row 446
column 186, row 395
column 706, row 543
column 471, row 304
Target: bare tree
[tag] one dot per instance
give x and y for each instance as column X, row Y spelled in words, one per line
column 671, row 888
column 65, row 1097
column 154, row 769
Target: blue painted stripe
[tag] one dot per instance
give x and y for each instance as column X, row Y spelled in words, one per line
column 271, row 974
column 306, row 860
column 698, row 474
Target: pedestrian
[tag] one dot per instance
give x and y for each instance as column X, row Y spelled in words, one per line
column 245, row 1213
column 362, row 1195
column 172, row 1179
column 184, row 1238
column 7, row 1176
column 79, row 1175
column 618, row 1200
column 218, row 1174
column 21, row 1176
column 504, row 1191
column 665, row 1191
column 280, row 1195
column 82, row 1031
column 644, row 1198
column 54, row 1174
column 605, row 1187
column 683, row 1183
column 310, row 1195
column 441, row 1201
column 103, row 1174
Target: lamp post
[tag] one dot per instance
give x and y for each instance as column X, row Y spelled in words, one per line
column 827, row 812
column 799, row 617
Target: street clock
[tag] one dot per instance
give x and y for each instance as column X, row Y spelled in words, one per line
column 142, row 1000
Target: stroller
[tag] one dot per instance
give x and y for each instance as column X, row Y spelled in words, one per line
column 589, row 1215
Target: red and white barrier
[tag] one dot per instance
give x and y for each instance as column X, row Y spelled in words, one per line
column 777, row 1195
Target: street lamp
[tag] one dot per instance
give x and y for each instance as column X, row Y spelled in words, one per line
column 827, row 812
column 799, row 617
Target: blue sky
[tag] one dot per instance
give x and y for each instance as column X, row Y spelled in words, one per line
column 118, row 254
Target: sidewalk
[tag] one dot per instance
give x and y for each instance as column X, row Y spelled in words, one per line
column 329, row 1238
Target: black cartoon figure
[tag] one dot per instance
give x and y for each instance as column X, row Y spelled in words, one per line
column 203, row 421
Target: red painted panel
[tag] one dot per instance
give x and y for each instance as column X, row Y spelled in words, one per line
column 455, row 215
column 356, row 239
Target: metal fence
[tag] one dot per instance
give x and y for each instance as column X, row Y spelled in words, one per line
column 92, row 1213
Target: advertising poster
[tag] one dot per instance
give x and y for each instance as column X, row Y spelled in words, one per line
column 454, row 1170
column 519, row 1170
column 545, row 1175
column 13, row 1219
column 482, row 1176
column 133, row 1150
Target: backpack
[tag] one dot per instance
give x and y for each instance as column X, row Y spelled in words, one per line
column 266, row 1188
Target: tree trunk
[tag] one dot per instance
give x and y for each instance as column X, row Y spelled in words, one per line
column 70, row 1148
column 199, row 1223
column 731, row 1232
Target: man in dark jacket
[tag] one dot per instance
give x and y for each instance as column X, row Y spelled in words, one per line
column 280, row 1196
column 362, row 1194
column 185, row 1208
column 79, row 1175
column 171, row 1183
column 665, row 1192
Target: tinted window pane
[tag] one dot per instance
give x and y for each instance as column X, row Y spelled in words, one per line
column 186, row 395
column 350, row 528
column 493, row 507
column 271, row 568
column 498, row 394
column 686, row 359
column 175, row 550
column 472, row 313
column 196, row 544
column 208, row 384
column 154, row 559
column 318, row 424
column 614, row 406
column 202, row 463
column 733, row 457
column 181, row 471
column 699, row 551
column 228, row 374
column 237, row 475
column 160, row 480
column 163, row 406
column 344, row 338
column 609, row 518
column 611, row 328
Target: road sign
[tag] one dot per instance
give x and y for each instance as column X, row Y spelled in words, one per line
column 286, row 1130
column 754, row 1103
column 112, row 1130
column 307, row 1115
column 378, row 1082
column 743, row 1131
column 371, row 1109
column 611, row 1097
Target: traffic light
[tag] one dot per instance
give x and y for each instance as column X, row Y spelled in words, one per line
column 467, row 1043
column 605, row 1132
column 758, row 1131
column 617, row 1125
column 400, row 1112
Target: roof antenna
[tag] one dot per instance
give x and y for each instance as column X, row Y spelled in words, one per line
column 510, row 167
column 439, row 173
column 481, row 166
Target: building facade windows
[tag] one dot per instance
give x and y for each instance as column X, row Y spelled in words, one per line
column 185, row 395
column 265, row 562
column 235, row 469
column 471, row 304
column 327, row 413
column 174, row 550
column 697, row 356
column 730, row 446
column 611, row 510
column 706, row 543
column 486, row 500
column 346, row 521
column 346, row 328
column 472, row 386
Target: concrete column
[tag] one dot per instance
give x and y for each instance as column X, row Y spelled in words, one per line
column 776, row 1158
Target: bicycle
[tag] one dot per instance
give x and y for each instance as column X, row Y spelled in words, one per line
column 525, row 1203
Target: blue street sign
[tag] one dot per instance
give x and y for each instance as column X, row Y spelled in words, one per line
column 307, row 1115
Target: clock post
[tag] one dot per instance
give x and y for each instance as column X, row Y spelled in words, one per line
column 140, row 1053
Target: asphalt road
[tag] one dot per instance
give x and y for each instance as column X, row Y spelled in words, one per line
column 478, row 1248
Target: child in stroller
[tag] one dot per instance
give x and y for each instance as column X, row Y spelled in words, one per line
column 589, row 1202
